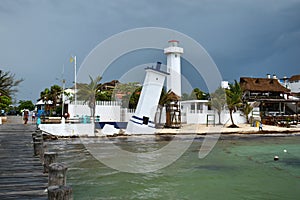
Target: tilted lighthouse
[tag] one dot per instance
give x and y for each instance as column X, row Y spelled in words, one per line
column 173, row 53
column 142, row 122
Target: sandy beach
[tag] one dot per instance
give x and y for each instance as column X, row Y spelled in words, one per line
column 201, row 129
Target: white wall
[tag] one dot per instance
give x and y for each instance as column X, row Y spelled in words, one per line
column 112, row 111
column 295, row 87
column 108, row 111
column 200, row 118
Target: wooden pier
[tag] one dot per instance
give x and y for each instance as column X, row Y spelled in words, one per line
column 21, row 173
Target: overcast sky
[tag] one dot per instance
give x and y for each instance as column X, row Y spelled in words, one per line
column 243, row 37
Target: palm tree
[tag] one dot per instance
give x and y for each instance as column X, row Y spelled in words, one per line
column 55, row 94
column 52, row 94
column 166, row 98
column 87, row 93
column 246, row 109
column 233, row 99
column 8, row 84
column 218, row 101
column 45, row 97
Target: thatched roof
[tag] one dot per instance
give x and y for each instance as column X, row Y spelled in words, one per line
column 173, row 97
column 262, row 85
column 294, row 78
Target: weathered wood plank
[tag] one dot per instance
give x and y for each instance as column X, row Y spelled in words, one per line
column 21, row 174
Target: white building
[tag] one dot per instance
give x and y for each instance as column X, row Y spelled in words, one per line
column 294, row 84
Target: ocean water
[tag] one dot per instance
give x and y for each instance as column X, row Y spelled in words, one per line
column 237, row 168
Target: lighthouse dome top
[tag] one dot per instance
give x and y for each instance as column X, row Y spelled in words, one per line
column 173, row 43
column 173, row 47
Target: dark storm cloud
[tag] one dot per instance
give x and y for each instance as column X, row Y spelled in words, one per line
column 244, row 37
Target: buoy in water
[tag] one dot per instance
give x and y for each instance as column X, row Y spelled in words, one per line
column 276, row 158
column 285, row 151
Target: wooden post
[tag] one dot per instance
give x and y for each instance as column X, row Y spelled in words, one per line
column 49, row 158
column 37, row 146
column 33, row 135
column 36, row 136
column 57, row 174
column 60, row 193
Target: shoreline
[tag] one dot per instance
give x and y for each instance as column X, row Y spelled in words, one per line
column 243, row 129
column 199, row 130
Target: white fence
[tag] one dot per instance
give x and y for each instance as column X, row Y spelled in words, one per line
column 112, row 111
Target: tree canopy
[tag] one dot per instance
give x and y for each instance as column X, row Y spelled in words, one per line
column 87, row 92
column 8, row 84
column 129, row 94
column 25, row 105
column 8, row 88
column 5, row 101
column 195, row 94
column 53, row 94
column 233, row 99
column 218, row 101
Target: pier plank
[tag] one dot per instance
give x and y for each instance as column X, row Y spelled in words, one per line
column 21, row 174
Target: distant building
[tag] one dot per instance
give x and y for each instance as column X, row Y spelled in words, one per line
column 273, row 97
column 262, row 88
column 294, row 84
column 224, row 84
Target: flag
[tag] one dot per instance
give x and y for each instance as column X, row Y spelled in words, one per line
column 71, row 59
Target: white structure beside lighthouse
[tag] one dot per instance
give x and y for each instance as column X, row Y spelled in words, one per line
column 142, row 122
column 173, row 53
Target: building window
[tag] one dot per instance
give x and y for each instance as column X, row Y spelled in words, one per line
column 192, row 107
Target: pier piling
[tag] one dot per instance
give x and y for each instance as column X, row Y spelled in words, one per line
column 57, row 174
column 60, row 193
column 49, row 158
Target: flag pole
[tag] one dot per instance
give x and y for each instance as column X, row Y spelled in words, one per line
column 75, row 91
column 63, row 97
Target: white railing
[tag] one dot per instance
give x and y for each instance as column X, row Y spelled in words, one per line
column 108, row 103
column 100, row 103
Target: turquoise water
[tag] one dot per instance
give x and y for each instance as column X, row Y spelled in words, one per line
column 237, row 168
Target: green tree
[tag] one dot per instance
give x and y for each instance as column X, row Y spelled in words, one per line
column 53, row 94
column 87, row 93
column 134, row 98
column 195, row 94
column 199, row 94
column 5, row 101
column 25, row 105
column 104, row 95
column 218, row 101
column 45, row 97
column 125, row 91
column 165, row 98
column 8, row 84
column 233, row 99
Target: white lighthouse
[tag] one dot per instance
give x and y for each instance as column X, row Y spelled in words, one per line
column 173, row 53
column 142, row 122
